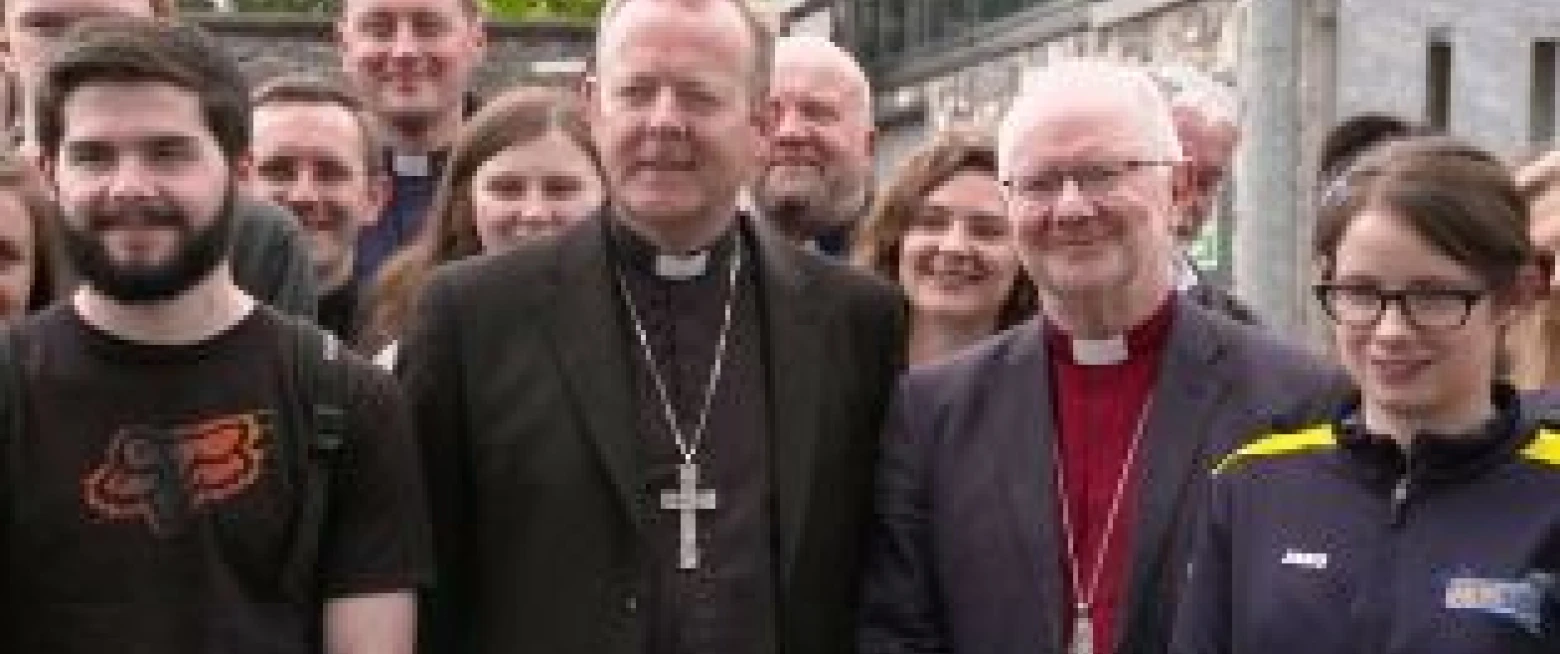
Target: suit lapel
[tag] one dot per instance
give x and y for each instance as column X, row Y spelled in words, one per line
column 1186, row 396
column 1024, row 460
column 587, row 331
column 793, row 354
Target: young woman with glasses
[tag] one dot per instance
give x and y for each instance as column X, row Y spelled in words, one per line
column 1423, row 517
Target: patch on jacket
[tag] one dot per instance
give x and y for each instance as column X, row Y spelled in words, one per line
column 1520, row 601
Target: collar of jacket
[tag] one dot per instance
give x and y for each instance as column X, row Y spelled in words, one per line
column 1436, row 457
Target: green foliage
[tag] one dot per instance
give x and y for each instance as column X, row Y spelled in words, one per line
column 523, row 9
column 501, row 9
column 291, row 6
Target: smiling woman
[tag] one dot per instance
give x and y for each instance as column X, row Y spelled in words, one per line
column 941, row 230
column 1421, row 514
column 522, row 168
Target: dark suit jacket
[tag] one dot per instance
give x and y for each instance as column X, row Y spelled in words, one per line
column 965, row 550
column 519, row 374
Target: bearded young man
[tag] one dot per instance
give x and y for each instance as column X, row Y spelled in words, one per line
column 269, row 257
column 167, row 479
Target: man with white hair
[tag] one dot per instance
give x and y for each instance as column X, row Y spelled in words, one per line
column 1205, row 112
column 1206, row 115
column 1035, row 491
column 815, row 180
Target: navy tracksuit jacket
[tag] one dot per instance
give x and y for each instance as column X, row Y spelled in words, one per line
column 1331, row 541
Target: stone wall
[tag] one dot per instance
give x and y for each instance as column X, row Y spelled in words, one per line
column 974, row 91
column 267, row 45
column 1382, row 62
column 1187, row 32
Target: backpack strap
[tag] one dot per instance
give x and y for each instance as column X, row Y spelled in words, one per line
column 13, row 424
column 319, row 428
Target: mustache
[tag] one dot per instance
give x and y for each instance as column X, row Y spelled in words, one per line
column 138, row 215
column 326, row 216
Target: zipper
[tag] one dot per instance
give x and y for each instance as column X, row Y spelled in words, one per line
column 1388, row 588
column 1400, row 501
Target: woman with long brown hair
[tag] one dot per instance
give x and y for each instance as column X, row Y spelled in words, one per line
column 940, row 230
column 523, row 168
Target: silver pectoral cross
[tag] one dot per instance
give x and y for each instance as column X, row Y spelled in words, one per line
column 687, row 501
column 1083, row 632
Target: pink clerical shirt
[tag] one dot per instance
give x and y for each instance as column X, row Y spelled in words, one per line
column 1098, row 408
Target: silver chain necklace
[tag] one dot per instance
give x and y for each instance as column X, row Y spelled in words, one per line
column 1085, row 596
column 688, row 499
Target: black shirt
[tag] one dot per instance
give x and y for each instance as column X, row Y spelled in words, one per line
column 726, row 605
column 160, row 498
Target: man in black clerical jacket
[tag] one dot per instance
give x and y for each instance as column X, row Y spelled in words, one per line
column 656, row 432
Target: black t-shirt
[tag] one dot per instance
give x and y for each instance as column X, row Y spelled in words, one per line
column 156, row 493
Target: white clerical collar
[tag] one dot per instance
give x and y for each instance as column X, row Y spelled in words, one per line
column 682, row 266
column 1101, row 352
column 411, row 164
column 1186, row 275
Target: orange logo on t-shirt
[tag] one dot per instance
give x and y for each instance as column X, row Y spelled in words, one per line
column 164, row 475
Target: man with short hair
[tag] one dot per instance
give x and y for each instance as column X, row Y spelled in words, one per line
column 186, row 470
column 1035, row 492
column 1207, row 122
column 270, row 259
column 412, row 62
column 816, row 177
column 1206, row 114
column 654, row 434
column 316, row 154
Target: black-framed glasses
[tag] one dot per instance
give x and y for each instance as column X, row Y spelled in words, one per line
column 1363, row 305
column 1095, row 179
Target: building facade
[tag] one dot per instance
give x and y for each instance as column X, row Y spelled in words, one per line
column 939, row 64
column 521, row 52
column 1486, row 71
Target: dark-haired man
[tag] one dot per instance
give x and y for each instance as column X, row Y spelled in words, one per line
column 185, row 470
column 270, row 260
column 315, row 153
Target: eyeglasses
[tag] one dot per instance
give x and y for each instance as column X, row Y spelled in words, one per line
column 1095, row 180
column 1362, row 306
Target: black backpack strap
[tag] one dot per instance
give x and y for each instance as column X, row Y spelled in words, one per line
column 13, row 425
column 319, row 425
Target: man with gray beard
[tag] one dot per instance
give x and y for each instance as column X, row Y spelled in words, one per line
column 817, row 169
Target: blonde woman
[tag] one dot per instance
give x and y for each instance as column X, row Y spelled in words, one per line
column 1535, row 343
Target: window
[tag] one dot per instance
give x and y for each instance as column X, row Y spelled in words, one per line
column 1438, row 84
column 890, row 32
column 1543, row 101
